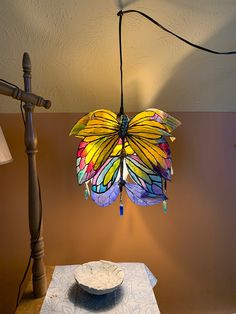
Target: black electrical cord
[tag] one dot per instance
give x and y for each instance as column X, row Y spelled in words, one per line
column 21, row 104
column 8, row 83
column 121, row 13
column 30, row 258
column 22, row 281
column 22, row 112
column 121, row 68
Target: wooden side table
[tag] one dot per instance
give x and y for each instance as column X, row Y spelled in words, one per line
column 30, row 305
column 136, row 293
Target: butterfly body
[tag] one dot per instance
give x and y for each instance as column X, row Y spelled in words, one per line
column 124, row 122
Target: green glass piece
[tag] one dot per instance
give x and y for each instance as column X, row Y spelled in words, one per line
column 164, row 206
column 86, row 191
column 86, row 194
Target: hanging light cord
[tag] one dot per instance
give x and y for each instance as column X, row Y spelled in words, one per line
column 121, row 13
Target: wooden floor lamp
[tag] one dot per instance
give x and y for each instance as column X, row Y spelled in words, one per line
column 34, row 203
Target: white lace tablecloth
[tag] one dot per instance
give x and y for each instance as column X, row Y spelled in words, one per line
column 134, row 296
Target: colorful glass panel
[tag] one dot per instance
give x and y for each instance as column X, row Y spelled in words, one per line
column 114, row 144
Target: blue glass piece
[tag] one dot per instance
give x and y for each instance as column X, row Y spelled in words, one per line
column 121, row 209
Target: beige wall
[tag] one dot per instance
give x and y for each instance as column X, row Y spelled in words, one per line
column 191, row 249
column 75, row 56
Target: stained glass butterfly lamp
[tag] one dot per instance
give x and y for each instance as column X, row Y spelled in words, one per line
column 117, row 153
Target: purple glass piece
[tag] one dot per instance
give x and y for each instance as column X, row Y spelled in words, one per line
column 140, row 197
column 108, row 197
column 157, row 118
column 157, row 189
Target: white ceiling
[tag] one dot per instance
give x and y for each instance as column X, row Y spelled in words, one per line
column 73, row 46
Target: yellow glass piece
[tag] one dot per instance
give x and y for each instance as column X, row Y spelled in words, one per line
column 81, row 124
column 101, row 123
column 148, row 128
column 111, row 172
column 141, row 116
column 145, row 135
column 91, row 138
column 105, row 151
column 96, row 131
column 148, row 153
column 103, row 115
column 91, row 149
column 146, row 122
column 100, row 150
column 139, row 172
column 118, row 148
column 128, row 149
column 108, row 146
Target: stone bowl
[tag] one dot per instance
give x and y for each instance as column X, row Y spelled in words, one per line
column 99, row 277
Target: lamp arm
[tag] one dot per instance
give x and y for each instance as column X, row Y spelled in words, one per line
column 26, row 97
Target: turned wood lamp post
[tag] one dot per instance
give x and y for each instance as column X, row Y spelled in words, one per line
column 34, row 203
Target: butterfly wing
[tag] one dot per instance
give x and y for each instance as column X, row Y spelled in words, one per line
column 85, row 171
column 108, row 197
column 106, row 175
column 144, row 131
column 99, row 131
column 101, row 114
column 147, row 190
column 164, row 146
column 149, row 180
column 81, row 124
column 170, row 123
column 140, row 197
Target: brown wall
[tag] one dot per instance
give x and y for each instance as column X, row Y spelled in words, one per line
column 191, row 249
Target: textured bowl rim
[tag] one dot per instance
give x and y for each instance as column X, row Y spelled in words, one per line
column 95, row 290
